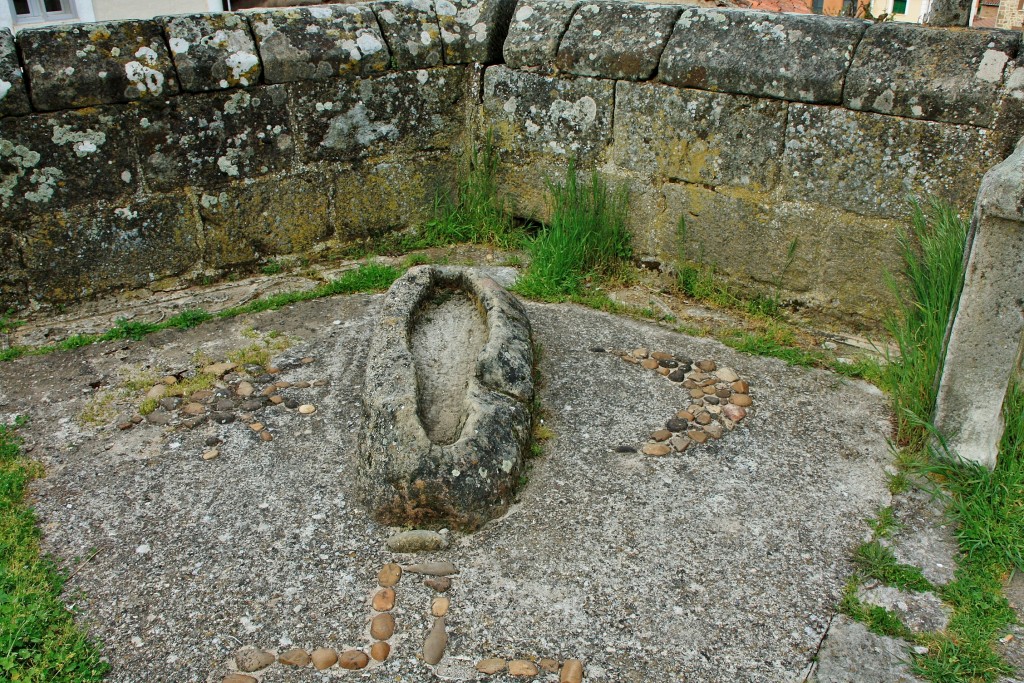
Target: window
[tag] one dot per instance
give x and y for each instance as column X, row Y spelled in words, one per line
column 899, row 6
column 34, row 11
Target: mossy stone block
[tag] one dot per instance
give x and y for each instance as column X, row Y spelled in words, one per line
column 412, row 32
column 13, row 94
column 536, row 29
column 213, row 51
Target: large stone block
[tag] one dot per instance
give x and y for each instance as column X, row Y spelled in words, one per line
column 212, row 51
column 536, row 29
column 409, row 110
column 13, row 282
column 871, row 164
column 620, row 40
column 552, row 117
column 988, row 330
column 13, row 94
column 249, row 221
column 81, row 65
column 412, row 32
column 698, row 137
column 927, row 73
column 72, row 254
column 209, row 140
column 308, row 44
column 803, row 58
column 473, row 30
column 53, row 161
column 394, row 193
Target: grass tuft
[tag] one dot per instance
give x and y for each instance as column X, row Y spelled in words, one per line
column 878, row 562
column 39, row 642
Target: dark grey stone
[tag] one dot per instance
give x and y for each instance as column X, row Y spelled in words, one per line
column 850, row 652
column 699, row 137
column 557, row 117
column 787, row 56
column 13, row 94
column 412, row 32
column 211, row 139
column 473, row 30
column 870, row 164
column 925, row 73
column 306, row 44
column 950, row 13
column 81, row 65
column 413, row 109
column 411, row 473
column 212, row 51
column 620, row 40
column 536, row 29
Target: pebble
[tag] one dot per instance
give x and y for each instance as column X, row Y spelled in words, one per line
column 353, row 659
column 416, row 541
column 549, row 665
column 319, row 383
column 256, row 426
column 136, row 419
column 709, row 390
column 384, row 600
column 432, row 568
column 596, row 349
column 522, row 667
column 201, row 395
column 265, row 435
column 630, row 359
column 307, row 360
column 741, row 400
column 490, row 666
column 380, row 651
column 267, row 391
column 282, row 384
column 291, row 403
column 158, row 417
column 727, row 374
column 157, row 392
column 437, row 640
column 171, row 403
column 723, row 393
column 639, row 353
column 676, row 424
column 661, row 435
column 740, row 387
column 712, row 400
column 382, row 627
column 706, row 365
column 251, row 405
column 439, row 606
column 224, row 404
column 277, row 400
column 244, row 389
column 664, row 372
column 250, row 659
column 696, row 393
column 703, row 419
column 294, row 657
column 210, row 454
column 697, row 435
column 124, row 426
column 656, row 449
column 648, row 363
column 679, row 443
column 219, row 369
column 323, row 658
column 661, row 355
column 389, row 575
column 734, row 412
column 668, row 364
column 214, row 441
column 572, row 671
column 193, row 408
column 714, row 430
column 441, row 584
column 222, row 418
column 170, row 379
column 307, row 409
column 685, row 415
column 238, row 678
column 677, row 375
column 625, row 449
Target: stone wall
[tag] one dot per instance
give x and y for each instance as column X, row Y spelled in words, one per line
column 743, row 133
column 140, row 152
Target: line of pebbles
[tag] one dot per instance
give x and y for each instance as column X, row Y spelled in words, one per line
column 382, row 628
column 719, row 399
column 238, row 394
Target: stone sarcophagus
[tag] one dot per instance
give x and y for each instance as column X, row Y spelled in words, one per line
column 446, row 401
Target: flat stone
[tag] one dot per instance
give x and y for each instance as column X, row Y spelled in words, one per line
column 439, row 606
column 384, row 600
column 211, row 454
column 706, row 365
column 416, row 541
column 323, row 658
column 661, row 435
column 192, row 408
column 649, row 364
column 679, row 443
column 615, row 40
column 490, row 666
column 219, row 369
column 549, row 665
column 697, row 435
column 294, row 657
column 533, row 35
column 676, row 424
column 441, row 584
column 382, row 626
column 307, row 409
column 353, row 660
column 276, row 400
column 156, row 392
column 251, row 659
column 238, row 678
column 656, row 449
column 522, row 667
column 212, row 51
column 677, row 375
column 703, row 418
column 159, row 417
column 684, row 415
column 222, row 418
column 380, row 651
column 265, row 435
column 432, row 568
column 734, row 412
column 201, row 395
column 738, row 51
column 742, row 400
column 389, row 575
column 714, row 430
column 641, row 352
column 572, row 671
column 850, row 652
column 727, row 374
column 244, row 389
column 170, row 404
column 436, row 642
column 412, row 32
column 740, row 387
column 250, row 405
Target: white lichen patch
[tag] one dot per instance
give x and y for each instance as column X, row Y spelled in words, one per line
column 144, row 79
column 355, row 124
column 83, row 143
column 45, row 180
column 179, row 46
column 147, row 55
column 237, row 102
column 5, row 87
column 243, row 66
column 446, row 9
column 991, row 68
column 368, row 42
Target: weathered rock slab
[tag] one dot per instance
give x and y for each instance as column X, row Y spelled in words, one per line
column 13, row 94
column 306, row 44
column 412, row 32
column 619, row 40
column 796, row 57
column 457, row 467
column 213, row 51
column 851, row 653
column 918, row 611
column 925, row 73
column 473, row 30
column 81, row 65
column 536, row 29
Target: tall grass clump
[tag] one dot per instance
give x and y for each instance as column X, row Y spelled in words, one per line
column 476, row 212
column 39, row 642
column 933, row 256
column 585, row 237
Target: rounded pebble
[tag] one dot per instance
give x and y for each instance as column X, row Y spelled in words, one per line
column 380, row 651
column 307, row 409
column 389, row 575
column 250, row 659
column 522, row 667
column 353, row 659
column 384, row 600
column 323, row 658
column 238, row 678
column 490, row 666
column 266, row 436
column 441, row 584
column 648, row 363
column 656, row 449
column 661, row 435
column 439, row 607
column 211, row 454
column 382, row 627
column 294, row 657
column 741, row 400
column 548, row 664
column 572, row 671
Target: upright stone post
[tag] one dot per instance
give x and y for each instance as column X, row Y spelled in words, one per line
column 985, row 341
column 949, row 13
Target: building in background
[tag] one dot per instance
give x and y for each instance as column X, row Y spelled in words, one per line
column 19, row 14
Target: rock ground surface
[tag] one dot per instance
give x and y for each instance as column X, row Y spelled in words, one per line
column 724, row 563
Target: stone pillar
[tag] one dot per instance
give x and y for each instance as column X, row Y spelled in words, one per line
column 986, row 337
column 950, row 13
